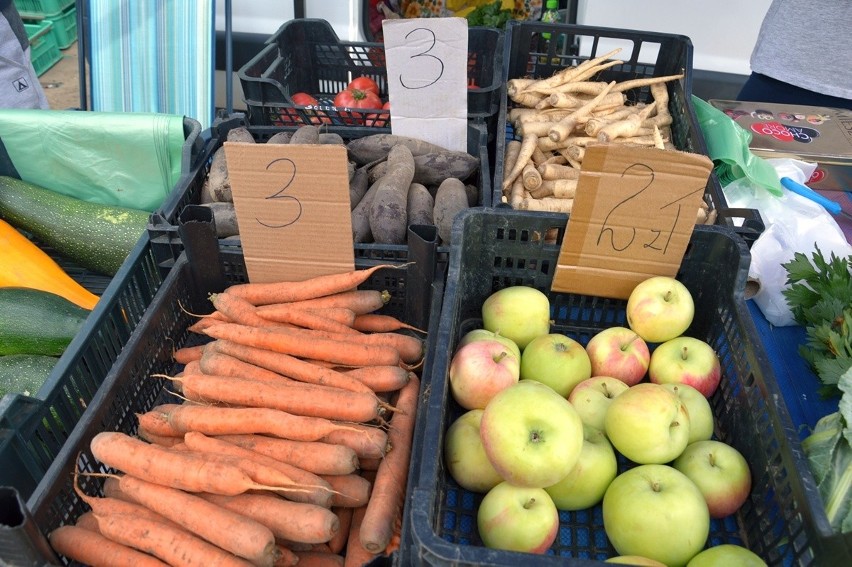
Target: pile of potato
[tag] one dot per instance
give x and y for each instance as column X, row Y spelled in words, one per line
column 394, row 181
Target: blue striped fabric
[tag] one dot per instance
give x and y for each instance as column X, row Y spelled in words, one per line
column 153, row 56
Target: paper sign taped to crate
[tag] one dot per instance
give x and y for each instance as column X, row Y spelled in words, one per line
column 426, row 61
column 292, row 205
column 632, row 218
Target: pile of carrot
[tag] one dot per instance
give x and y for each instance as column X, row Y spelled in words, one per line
column 292, row 443
column 558, row 117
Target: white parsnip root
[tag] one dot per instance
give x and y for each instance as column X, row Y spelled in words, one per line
column 558, row 117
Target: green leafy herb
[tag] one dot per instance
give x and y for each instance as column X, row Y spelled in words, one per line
column 489, row 15
column 820, row 298
column 829, row 453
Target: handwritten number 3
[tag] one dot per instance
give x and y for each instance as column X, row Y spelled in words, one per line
column 289, row 170
column 424, row 54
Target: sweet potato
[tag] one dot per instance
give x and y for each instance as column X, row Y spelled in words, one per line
column 217, row 186
column 376, row 146
column 305, row 134
column 331, row 138
column 361, row 216
column 280, row 138
column 435, row 167
column 239, row 134
column 224, row 218
column 472, row 195
column 388, row 211
column 450, row 200
column 358, row 185
column 420, row 205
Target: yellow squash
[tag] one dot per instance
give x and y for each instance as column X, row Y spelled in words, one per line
column 26, row 265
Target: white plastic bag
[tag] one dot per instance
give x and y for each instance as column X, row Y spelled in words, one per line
column 793, row 224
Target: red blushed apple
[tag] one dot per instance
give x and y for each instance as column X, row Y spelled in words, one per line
column 686, row 360
column 619, row 352
column 481, row 369
column 517, row 518
column 591, row 398
column 720, row 472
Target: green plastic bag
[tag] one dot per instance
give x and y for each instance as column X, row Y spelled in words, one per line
column 728, row 146
column 113, row 158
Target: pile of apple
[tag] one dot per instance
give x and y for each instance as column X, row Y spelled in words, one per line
column 547, row 417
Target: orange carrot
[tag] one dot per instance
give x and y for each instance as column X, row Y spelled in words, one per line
column 155, row 422
column 391, row 477
column 161, row 440
column 379, row 323
column 344, row 516
column 225, row 421
column 292, row 397
column 352, row 490
column 356, row 554
column 174, row 546
column 266, row 470
column 410, row 348
column 307, row 318
column 91, row 548
column 367, row 441
column 312, row 456
column 287, row 365
column 220, row 364
column 187, row 353
column 319, row 559
column 369, row 464
column 360, row 301
column 204, row 322
column 380, row 378
column 192, row 367
column 183, row 470
column 286, row 557
column 279, row 292
column 293, row 521
column 232, row 532
column 298, row 344
column 87, row 520
column 238, row 310
column 108, row 505
column 342, row 315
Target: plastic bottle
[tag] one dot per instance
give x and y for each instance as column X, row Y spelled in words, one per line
column 550, row 15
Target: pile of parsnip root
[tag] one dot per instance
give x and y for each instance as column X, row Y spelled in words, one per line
column 558, row 117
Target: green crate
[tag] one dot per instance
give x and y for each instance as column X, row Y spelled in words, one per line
column 40, row 9
column 64, row 27
column 44, row 50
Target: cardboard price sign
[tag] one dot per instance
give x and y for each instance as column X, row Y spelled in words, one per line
column 292, row 205
column 426, row 62
column 632, row 218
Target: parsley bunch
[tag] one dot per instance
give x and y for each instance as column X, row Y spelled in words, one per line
column 820, row 298
column 489, row 15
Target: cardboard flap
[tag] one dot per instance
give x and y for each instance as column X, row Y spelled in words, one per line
column 292, row 205
column 632, row 218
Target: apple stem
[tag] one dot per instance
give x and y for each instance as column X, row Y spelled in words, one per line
column 655, row 486
column 529, row 503
column 683, row 353
column 668, row 296
column 500, row 356
column 624, row 347
column 712, row 459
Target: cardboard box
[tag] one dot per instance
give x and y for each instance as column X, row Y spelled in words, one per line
column 814, row 134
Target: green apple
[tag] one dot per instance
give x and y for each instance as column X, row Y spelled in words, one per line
column 591, row 398
column 519, row 312
column 479, row 370
column 655, row 511
column 557, row 361
column 686, row 360
column 480, row 334
column 532, row 435
column 517, row 518
column 464, row 456
column 588, row 480
column 660, row 308
column 619, row 352
column 648, row 424
column 720, row 472
column 726, row 555
column 635, row 560
column 699, row 410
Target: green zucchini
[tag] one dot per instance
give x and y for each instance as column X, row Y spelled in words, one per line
column 97, row 237
column 37, row 322
column 24, row 373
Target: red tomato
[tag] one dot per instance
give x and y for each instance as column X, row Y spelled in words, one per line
column 354, row 99
column 304, row 99
column 364, row 84
column 380, row 120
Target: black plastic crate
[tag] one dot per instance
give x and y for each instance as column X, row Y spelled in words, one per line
column 305, row 55
column 783, row 520
column 34, row 428
column 645, row 54
column 416, row 295
column 163, row 227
